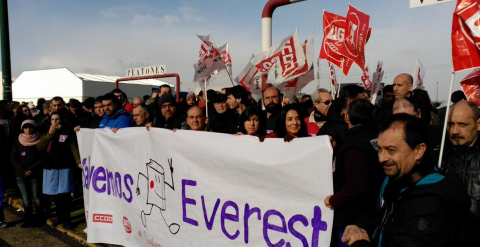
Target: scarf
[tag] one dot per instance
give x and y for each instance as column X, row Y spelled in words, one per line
column 319, row 117
column 30, row 140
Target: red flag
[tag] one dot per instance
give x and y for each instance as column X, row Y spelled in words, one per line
column 471, row 86
column 356, row 35
column 333, row 37
column 466, row 35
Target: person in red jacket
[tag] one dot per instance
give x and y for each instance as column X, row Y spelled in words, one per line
column 122, row 97
column 322, row 100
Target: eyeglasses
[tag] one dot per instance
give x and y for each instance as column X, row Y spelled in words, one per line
column 327, row 102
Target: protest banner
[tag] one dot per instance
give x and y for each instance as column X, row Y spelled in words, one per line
column 188, row 188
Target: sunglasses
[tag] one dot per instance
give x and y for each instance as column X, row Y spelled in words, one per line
column 327, row 102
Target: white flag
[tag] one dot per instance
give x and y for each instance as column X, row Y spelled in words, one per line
column 419, row 73
column 377, row 81
column 333, row 80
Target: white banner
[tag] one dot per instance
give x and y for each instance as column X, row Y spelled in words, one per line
column 421, row 3
column 160, row 188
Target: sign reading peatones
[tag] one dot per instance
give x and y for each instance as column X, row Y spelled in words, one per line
column 145, row 188
column 421, row 3
column 146, row 71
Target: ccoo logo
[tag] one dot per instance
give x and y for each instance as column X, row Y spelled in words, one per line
column 103, row 218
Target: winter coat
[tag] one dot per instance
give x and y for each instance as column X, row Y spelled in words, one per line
column 120, row 119
column 60, row 150
column 26, row 158
column 431, row 212
column 357, row 177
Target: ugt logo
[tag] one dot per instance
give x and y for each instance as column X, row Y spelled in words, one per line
column 156, row 192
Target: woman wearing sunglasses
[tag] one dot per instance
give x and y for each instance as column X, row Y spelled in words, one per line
column 322, row 100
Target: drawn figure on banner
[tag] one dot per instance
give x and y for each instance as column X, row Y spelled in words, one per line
column 156, row 192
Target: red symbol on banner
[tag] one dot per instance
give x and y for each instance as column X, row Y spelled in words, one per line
column 152, row 184
column 103, row 218
column 126, row 225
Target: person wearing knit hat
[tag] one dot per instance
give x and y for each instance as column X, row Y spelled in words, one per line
column 26, row 159
column 167, row 115
column 190, row 99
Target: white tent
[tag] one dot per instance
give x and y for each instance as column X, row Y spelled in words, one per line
column 31, row 85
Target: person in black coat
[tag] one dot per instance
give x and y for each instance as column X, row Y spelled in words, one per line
column 26, row 159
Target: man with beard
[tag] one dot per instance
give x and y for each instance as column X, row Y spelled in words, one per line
column 167, row 116
column 463, row 157
column 115, row 116
column 322, row 101
column 271, row 101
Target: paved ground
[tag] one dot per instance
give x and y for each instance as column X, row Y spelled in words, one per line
column 40, row 236
column 45, row 235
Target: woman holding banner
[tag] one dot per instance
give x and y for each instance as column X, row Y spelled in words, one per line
column 290, row 124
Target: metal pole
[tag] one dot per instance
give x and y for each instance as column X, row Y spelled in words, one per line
column 6, row 65
column 446, row 121
column 436, row 97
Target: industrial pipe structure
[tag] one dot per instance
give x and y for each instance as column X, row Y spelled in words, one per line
column 177, row 77
column 267, row 13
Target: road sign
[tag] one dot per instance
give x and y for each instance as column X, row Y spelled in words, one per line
column 421, row 3
column 146, row 71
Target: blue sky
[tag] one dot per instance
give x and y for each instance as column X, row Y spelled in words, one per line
column 109, row 36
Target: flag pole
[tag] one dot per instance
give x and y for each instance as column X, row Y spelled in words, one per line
column 206, row 97
column 339, row 83
column 446, row 121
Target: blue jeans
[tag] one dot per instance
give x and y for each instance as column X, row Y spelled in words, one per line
column 30, row 188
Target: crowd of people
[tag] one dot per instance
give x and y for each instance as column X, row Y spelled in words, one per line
column 388, row 187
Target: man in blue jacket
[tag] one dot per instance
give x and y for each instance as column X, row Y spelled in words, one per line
column 115, row 117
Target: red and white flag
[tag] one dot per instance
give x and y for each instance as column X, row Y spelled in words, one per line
column 419, row 73
column 275, row 76
column 289, row 53
column 466, row 35
column 376, row 82
column 249, row 78
column 357, row 29
column 333, row 80
column 471, row 86
column 367, row 84
column 294, row 86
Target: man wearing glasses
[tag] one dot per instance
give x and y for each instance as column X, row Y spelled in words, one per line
column 322, row 100
column 168, row 117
